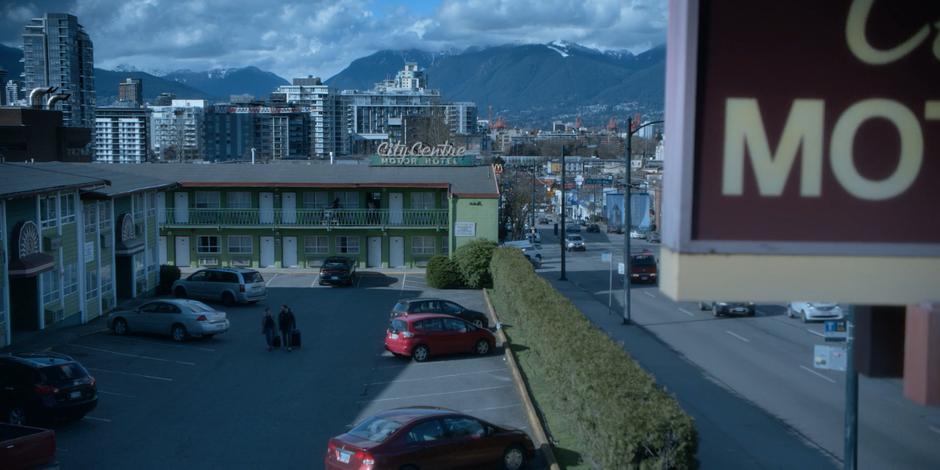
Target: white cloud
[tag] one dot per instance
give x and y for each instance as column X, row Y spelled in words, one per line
column 321, row 37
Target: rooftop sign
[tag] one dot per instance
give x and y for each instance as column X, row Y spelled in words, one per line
column 420, row 154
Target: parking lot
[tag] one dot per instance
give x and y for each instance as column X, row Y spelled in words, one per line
column 228, row 402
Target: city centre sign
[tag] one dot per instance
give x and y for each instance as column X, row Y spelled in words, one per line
column 421, row 154
column 818, row 141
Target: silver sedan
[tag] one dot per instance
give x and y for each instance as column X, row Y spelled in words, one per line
column 179, row 318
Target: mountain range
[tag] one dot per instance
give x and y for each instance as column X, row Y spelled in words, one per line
column 528, row 85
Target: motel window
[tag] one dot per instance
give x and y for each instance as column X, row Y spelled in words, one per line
column 239, row 200
column 239, row 244
column 70, row 279
column 138, row 207
column 50, row 286
column 207, row 200
column 422, row 245
column 347, row 199
column 91, row 218
column 422, row 200
column 347, row 245
column 104, row 216
column 445, row 246
column 91, row 283
column 47, row 211
column 315, row 200
column 68, row 208
column 316, row 245
column 106, row 279
column 152, row 262
column 208, row 244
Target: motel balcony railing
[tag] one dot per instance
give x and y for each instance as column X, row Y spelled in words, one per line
column 305, row 218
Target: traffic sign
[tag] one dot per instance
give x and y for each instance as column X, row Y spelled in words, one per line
column 620, row 268
column 829, row 357
column 605, row 256
column 836, row 330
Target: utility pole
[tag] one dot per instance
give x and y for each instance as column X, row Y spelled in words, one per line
column 561, row 236
column 628, row 219
column 532, row 207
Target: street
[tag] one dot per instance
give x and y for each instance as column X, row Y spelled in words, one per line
column 767, row 359
column 227, row 402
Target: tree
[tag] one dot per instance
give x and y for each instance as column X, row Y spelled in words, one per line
column 517, row 199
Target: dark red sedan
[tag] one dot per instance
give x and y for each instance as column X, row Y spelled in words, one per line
column 427, row 438
column 424, row 334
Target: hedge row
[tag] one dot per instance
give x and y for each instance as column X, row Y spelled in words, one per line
column 469, row 267
column 623, row 418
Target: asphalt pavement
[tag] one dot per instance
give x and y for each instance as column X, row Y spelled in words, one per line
column 748, row 381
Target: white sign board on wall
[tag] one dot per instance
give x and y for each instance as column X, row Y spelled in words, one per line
column 465, row 229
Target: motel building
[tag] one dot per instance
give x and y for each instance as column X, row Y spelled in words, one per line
column 388, row 213
column 75, row 240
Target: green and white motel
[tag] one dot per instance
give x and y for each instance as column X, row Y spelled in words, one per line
column 101, row 231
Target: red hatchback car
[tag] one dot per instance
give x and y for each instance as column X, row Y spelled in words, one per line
column 420, row 438
column 423, row 334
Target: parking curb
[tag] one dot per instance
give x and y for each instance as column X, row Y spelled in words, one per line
column 534, row 422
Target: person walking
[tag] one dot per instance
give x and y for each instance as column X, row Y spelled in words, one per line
column 286, row 322
column 268, row 328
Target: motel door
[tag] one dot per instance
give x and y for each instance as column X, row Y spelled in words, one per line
column 396, row 252
column 290, row 252
column 267, row 213
column 161, row 208
column 267, row 252
column 375, row 252
column 289, row 209
column 395, row 208
column 182, row 251
column 161, row 249
column 181, row 208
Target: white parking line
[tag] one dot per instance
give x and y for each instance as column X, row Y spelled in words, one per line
column 494, row 408
column 136, row 356
column 738, row 336
column 650, row 294
column 686, row 312
column 105, row 392
column 314, row 283
column 266, row 284
column 358, row 280
column 934, row 429
column 817, row 374
column 438, row 376
column 131, row 374
column 94, row 418
column 816, row 333
column 408, row 397
column 404, row 277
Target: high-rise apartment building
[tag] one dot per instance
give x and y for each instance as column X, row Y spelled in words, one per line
column 327, row 120
column 12, row 93
column 274, row 132
column 122, row 135
column 3, row 80
column 58, row 53
column 176, row 131
column 131, row 90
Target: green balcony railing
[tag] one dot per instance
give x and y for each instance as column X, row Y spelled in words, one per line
column 329, row 218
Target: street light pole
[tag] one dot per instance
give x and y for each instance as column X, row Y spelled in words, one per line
column 628, row 220
column 532, row 207
column 561, row 236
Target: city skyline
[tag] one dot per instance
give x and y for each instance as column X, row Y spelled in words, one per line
column 296, row 40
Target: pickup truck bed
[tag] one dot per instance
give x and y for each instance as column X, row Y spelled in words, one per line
column 23, row 447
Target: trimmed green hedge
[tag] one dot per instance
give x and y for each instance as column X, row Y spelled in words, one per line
column 621, row 417
column 473, row 259
column 443, row 273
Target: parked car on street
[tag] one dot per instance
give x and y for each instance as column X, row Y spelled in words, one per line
column 44, row 387
column 433, row 305
column 728, row 308
column 637, row 234
column 814, row 311
column 653, row 237
column 643, row 268
column 536, row 262
column 228, row 285
column 338, row 270
column 574, row 243
column 528, row 249
column 535, row 237
column 179, row 318
column 593, row 228
column 423, row 335
column 26, row 447
column 571, row 227
column 428, row 438
column 544, row 220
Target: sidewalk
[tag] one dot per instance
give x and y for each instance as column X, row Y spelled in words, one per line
column 189, row 270
column 733, row 432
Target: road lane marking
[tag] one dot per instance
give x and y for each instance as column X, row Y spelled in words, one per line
column 817, row 374
column 738, row 336
column 136, row 356
column 403, row 279
column 816, row 333
column 424, row 395
column 266, row 284
column 686, row 312
column 649, row 294
column 105, row 392
column 439, row 376
column 94, row 418
column 358, row 280
column 131, row 374
column 163, row 344
column 315, row 279
column 934, row 429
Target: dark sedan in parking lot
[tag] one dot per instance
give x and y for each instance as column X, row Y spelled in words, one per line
column 432, row 305
column 428, row 438
column 44, row 387
column 338, row 270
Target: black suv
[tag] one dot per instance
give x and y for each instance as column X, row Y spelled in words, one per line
column 44, row 387
column 427, row 305
column 338, row 270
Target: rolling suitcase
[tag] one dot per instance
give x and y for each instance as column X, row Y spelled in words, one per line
column 277, row 342
column 295, row 338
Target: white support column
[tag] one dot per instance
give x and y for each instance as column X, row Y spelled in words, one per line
column 113, row 257
column 133, row 264
column 80, row 269
column 146, row 213
column 5, row 280
column 98, row 254
column 39, row 283
column 61, row 252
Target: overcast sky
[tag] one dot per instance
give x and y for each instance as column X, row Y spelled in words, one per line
column 314, row 37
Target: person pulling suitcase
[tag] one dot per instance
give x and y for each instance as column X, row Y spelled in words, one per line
column 269, row 329
column 286, row 323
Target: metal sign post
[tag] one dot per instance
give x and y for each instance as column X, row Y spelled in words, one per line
column 606, row 256
column 851, row 395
